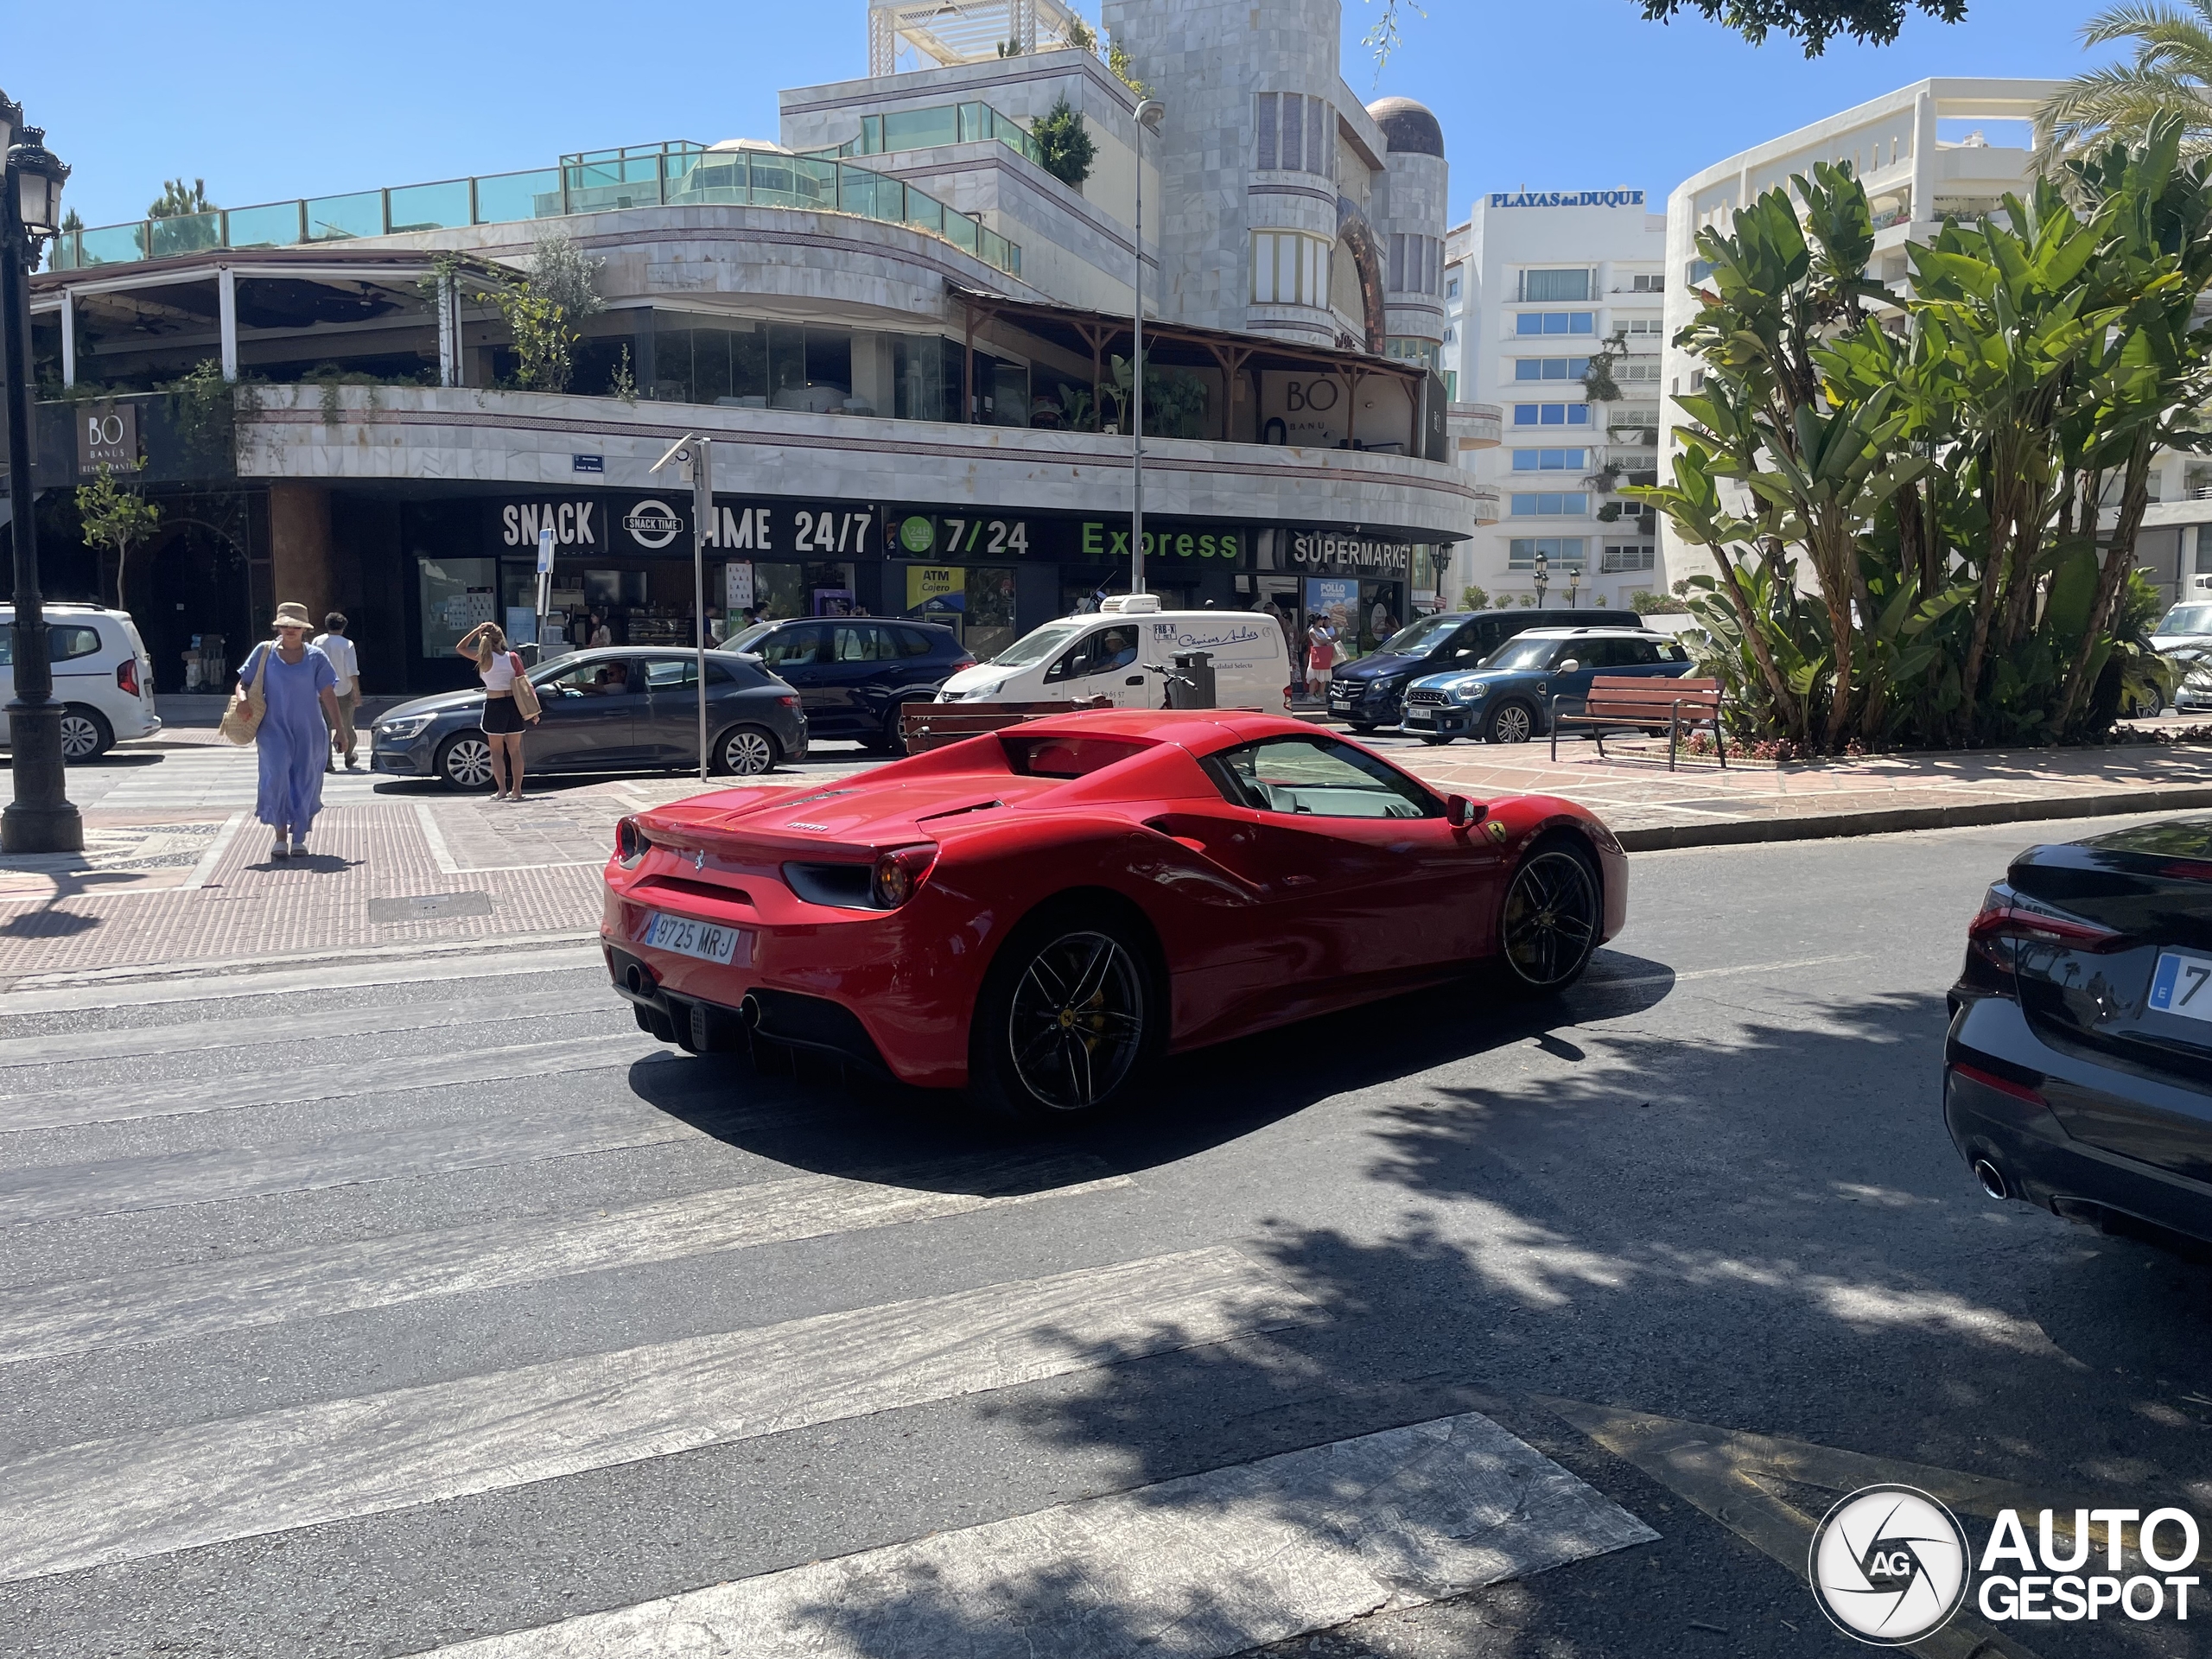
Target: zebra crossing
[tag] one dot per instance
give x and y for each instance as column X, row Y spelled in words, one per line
column 411, row 1284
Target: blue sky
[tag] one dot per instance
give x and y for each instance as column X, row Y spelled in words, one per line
column 266, row 101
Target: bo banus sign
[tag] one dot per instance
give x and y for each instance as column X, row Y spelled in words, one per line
column 658, row 525
column 1335, row 553
column 981, row 536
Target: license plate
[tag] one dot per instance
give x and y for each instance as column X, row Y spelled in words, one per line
column 2183, row 985
column 708, row 941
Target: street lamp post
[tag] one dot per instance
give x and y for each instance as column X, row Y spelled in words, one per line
column 40, row 819
column 1440, row 557
column 1148, row 115
column 1543, row 575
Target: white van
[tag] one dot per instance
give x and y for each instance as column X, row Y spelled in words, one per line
column 1120, row 651
column 102, row 677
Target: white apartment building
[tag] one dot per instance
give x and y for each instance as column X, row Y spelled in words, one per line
column 1935, row 150
column 1535, row 283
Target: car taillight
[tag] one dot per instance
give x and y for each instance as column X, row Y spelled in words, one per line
column 962, row 661
column 2018, row 1092
column 630, row 842
column 787, row 702
column 2008, row 919
column 900, row 872
column 126, row 677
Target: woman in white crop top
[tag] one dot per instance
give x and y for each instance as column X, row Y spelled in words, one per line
column 485, row 645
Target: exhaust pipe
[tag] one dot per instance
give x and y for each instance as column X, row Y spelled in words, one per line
column 1991, row 1178
column 640, row 981
column 751, row 1012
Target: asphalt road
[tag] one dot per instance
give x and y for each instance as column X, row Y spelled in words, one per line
column 370, row 1318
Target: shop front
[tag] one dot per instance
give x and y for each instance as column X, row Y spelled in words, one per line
column 1357, row 584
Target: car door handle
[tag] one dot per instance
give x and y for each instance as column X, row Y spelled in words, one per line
column 1134, row 679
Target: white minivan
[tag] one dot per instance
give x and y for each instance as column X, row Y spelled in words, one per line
column 102, row 677
column 1121, row 651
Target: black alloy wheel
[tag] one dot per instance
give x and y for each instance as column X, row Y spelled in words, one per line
column 1066, row 1021
column 1511, row 722
column 464, row 762
column 1554, row 910
column 85, row 734
column 744, row 752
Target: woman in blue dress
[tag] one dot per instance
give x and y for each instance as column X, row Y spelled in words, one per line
column 300, row 688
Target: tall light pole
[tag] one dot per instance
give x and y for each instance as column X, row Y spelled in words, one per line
column 1148, row 115
column 40, row 819
column 697, row 455
column 1543, row 575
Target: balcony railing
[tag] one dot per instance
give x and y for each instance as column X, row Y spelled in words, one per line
column 677, row 174
column 941, row 124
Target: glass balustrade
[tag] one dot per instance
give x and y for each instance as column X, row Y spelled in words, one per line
column 678, row 173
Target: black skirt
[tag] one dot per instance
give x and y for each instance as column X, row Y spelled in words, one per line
column 501, row 715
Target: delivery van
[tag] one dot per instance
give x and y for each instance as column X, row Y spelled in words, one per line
column 1122, row 651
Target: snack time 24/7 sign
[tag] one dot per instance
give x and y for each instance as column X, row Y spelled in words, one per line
column 659, row 525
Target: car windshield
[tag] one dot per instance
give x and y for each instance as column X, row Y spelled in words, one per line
column 1035, row 647
column 1524, row 652
column 747, row 639
column 2187, row 619
column 1417, row 638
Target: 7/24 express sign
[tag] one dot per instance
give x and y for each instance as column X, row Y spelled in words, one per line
column 918, row 533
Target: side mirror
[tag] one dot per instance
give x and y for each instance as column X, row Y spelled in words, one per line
column 1567, row 667
column 1463, row 653
column 1462, row 814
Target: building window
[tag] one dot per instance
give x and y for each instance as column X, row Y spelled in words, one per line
column 1293, row 132
column 1635, row 326
column 2204, row 550
column 1289, row 267
column 1451, row 289
column 1699, row 269
column 1555, row 322
column 1556, row 284
column 1629, row 370
column 1415, row 265
column 1647, row 282
column 1560, row 552
column 1451, row 335
column 1548, row 460
column 1451, row 385
column 1551, row 413
column 1574, row 503
column 1550, row 368
column 1410, row 348
column 1642, row 557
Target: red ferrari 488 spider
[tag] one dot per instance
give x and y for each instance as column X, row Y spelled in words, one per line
column 1034, row 914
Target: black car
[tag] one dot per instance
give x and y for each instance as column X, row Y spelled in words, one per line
column 1371, row 691
column 855, row 673
column 628, row 710
column 2077, row 1074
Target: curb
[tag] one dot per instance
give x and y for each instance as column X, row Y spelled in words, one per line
column 1831, row 826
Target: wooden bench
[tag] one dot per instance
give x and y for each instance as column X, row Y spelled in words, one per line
column 1640, row 703
column 926, row 726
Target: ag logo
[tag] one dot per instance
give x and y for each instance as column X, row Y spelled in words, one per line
column 652, row 524
column 917, row 534
column 1889, row 1566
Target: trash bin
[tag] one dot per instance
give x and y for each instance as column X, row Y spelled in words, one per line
column 1191, row 686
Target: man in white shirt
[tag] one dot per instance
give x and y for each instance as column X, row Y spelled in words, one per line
column 334, row 644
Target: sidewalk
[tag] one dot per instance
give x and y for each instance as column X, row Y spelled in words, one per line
column 176, row 874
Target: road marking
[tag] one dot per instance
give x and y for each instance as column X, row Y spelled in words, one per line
column 455, row 1140
column 1747, row 1482
column 1597, row 984
column 299, row 1084
column 208, row 982
column 199, row 1036
column 205, row 869
column 318, row 1280
column 437, row 838
column 141, row 1495
column 1195, row 1568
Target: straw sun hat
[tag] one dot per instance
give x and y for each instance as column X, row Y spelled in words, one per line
column 291, row 615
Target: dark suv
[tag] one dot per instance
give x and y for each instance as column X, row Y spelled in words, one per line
column 1371, row 691
column 853, row 673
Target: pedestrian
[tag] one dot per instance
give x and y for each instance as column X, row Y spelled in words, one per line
column 296, row 683
column 1320, row 654
column 601, row 633
column 485, row 645
column 345, row 662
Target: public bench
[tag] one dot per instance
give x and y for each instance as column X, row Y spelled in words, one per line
column 926, row 726
column 1637, row 702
